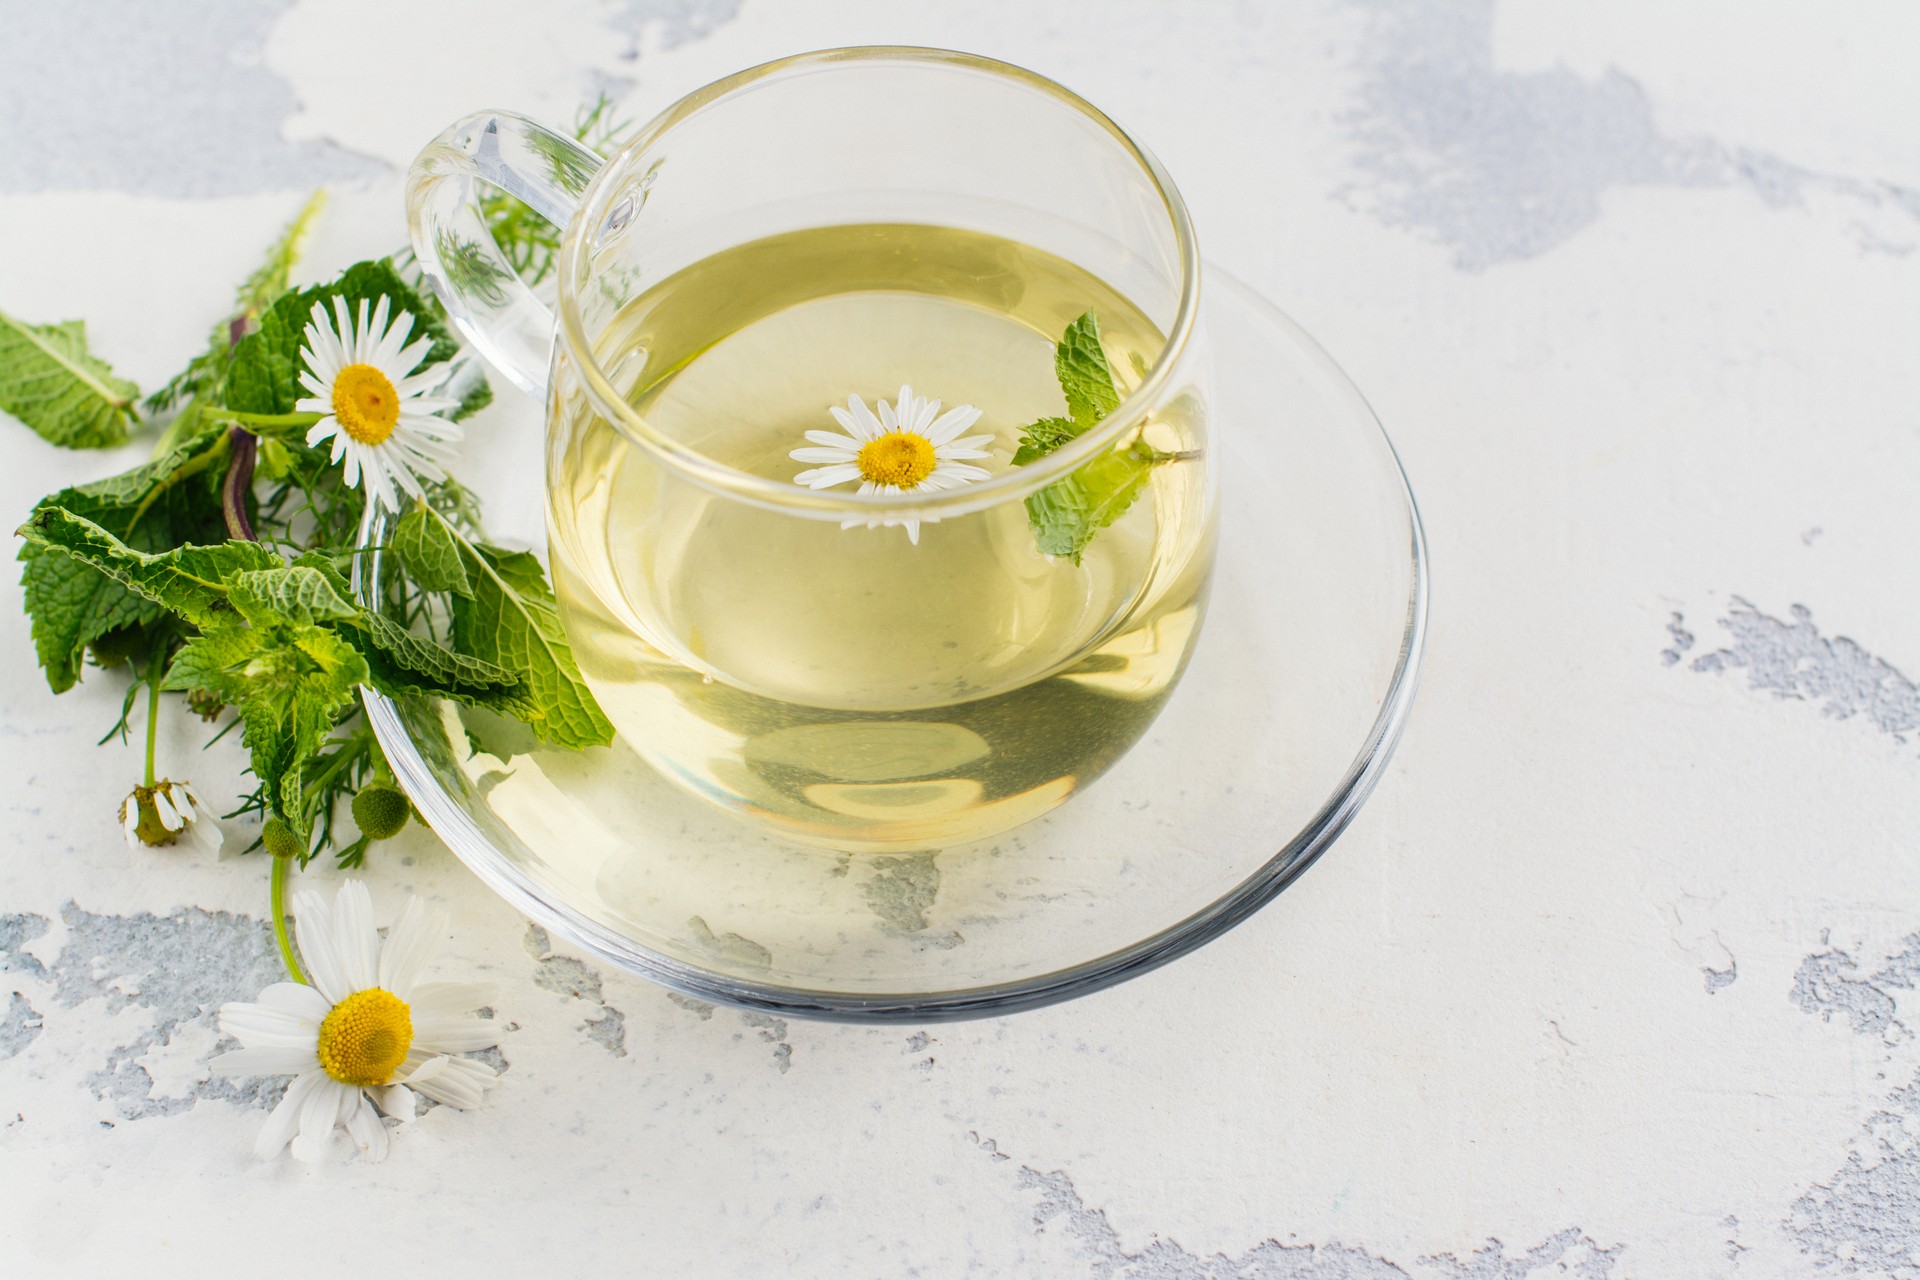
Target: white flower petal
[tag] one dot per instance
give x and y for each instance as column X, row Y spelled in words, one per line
column 822, row 477
column 364, row 1127
column 952, row 423
column 410, row 943
column 169, row 816
column 415, row 384
column 889, row 420
column 207, row 835
column 913, row 531
column 860, row 421
column 455, row 1035
column 457, row 1082
column 259, row 1026
column 263, row 1062
column 850, row 445
column 298, row 999
column 363, row 336
column 355, row 938
column 285, row 1117
column 313, row 930
column 343, row 330
column 445, row 999
column 320, row 1113
column 377, row 331
column 410, row 357
column 819, row 455
column 397, row 1101
column 425, row 1067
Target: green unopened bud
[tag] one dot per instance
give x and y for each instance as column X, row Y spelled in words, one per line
column 280, row 839
column 380, row 810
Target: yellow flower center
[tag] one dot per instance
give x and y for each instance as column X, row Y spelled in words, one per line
column 899, row 458
column 365, row 1038
column 366, row 403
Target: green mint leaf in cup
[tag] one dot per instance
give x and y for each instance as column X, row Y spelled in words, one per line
column 53, row 383
column 1080, row 362
column 1069, row 512
column 1043, row 437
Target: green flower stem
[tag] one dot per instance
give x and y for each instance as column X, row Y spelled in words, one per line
column 153, row 710
column 281, row 867
column 261, row 420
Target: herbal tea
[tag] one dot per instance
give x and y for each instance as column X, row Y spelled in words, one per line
column 887, row 686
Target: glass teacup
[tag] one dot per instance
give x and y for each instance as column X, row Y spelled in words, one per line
column 879, row 494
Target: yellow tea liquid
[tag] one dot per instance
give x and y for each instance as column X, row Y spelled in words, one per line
column 852, row 688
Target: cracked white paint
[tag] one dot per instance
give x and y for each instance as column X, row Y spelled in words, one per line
column 1607, row 981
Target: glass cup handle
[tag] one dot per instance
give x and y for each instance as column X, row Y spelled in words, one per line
column 489, row 303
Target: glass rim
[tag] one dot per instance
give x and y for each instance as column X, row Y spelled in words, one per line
column 1011, row 484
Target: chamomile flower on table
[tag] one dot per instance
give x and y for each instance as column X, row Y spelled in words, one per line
column 366, row 1036
column 907, row 446
column 386, row 429
column 168, row 813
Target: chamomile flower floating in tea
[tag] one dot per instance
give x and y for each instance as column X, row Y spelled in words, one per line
column 164, row 814
column 367, row 1034
column 903, row 449
column 383, row 424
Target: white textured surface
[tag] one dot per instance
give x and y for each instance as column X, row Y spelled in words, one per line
column 1614, row 977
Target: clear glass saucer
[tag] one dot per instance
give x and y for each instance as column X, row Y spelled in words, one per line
column 1296, row 695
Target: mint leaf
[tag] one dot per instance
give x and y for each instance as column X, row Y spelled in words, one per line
column 1043, row 437
column 403, row 663
column 511, row 621
column 1080, row 363
column 187, row 580
column 429, row 553
column 265, row 377
column 289, row 682
column 170, row 500
column 300, row 594
column 1067, row 513
column 51, row 382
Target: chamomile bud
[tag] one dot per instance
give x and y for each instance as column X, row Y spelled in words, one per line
column 380, row 810
column 280, row 839
column 164, row 814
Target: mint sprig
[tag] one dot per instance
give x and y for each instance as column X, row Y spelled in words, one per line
column 215, row 568
column 1068, row 513
column 283, row 643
